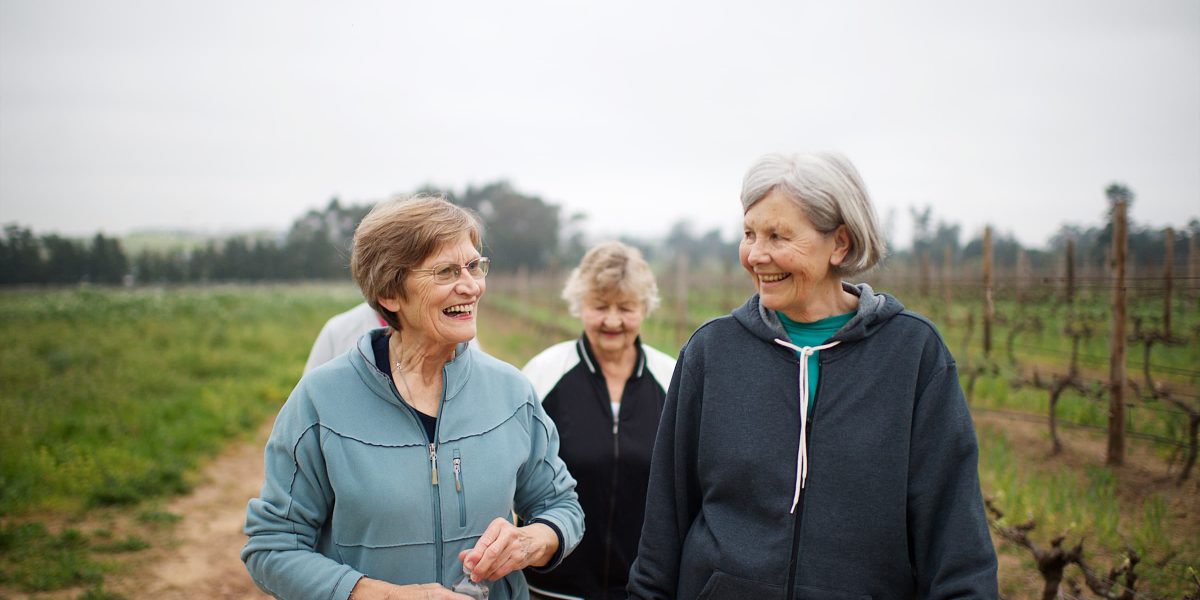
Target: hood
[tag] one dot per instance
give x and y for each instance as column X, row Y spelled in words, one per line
column 873, row 311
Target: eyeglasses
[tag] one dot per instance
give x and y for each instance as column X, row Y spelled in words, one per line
column 450, row 272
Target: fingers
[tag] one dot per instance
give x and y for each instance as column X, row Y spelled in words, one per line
column 501, row 550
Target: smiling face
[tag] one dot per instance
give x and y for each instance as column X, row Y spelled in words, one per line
column 611, row 321
column 789, row 259
column 440, row 314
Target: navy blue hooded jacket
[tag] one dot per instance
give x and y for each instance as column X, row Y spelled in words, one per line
column 891, row 506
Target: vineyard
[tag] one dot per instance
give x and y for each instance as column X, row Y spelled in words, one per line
column 1034, row 351
column 112, row 398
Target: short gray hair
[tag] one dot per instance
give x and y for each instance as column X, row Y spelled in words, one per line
column 830, row 191
column 611, row 267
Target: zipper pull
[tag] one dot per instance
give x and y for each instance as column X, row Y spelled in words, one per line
column 433, row 461
column 616, row 424
column 457, row 474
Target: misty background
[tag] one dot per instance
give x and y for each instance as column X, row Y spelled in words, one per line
column 615, row 119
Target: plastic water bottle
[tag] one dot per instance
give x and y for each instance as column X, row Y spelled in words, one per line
column 465, row 586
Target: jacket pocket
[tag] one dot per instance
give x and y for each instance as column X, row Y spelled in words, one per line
column 460, row 489
column 723, row 586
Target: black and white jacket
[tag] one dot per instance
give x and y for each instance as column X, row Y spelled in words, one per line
column 609, row 457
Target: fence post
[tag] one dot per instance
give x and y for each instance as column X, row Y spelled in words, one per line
column 989, row 309
column 947, row 257
column 681, row 297
column 1022, row 274
column 925, row 276
column 1168, row 273
column 1116, row 370
column 1070, row 291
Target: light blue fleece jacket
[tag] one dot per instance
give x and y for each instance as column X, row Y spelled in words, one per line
column 349, row 488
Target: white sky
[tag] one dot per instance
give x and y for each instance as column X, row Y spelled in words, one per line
column 121, row 115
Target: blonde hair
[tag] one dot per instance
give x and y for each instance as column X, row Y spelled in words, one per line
column 396, row 236
column 830, row 191
column 611, row 267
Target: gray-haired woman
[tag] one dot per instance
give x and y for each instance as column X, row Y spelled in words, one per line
column 605, row 392
column 815, row 443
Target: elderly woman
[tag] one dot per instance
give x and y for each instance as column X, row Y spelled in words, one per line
column 815, row 443
column 605, row 391
column 395, row 467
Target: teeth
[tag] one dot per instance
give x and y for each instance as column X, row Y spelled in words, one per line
column 461, row 308
column 772, row 277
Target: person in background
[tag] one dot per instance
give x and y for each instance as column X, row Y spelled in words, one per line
column 396, row 467
column 341, row 333
column 815, row 443
column 604, row 391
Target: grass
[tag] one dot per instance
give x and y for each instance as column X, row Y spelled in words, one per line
column 112, row 397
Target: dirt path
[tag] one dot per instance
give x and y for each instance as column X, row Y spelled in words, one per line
column 198, row 558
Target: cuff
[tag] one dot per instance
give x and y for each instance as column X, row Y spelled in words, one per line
column 558, row 554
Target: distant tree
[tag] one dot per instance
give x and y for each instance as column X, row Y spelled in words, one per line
column 20, row 256
column 518, row 229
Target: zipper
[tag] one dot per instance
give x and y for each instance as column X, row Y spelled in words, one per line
column 458, row 487
column 436, row 495
column 797, row 523
column 612, row 491
column 433, row 461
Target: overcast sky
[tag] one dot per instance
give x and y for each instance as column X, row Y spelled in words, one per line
column 217, row 115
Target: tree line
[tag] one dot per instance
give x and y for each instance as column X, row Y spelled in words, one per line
column 520, row 231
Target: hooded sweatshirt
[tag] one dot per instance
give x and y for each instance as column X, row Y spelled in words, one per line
column 890, row 505
column 353, row 487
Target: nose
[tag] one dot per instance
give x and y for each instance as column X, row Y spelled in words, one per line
column 612, row 318
column 756, row 255
column 466, row 284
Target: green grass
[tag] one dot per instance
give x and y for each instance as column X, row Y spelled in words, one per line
column 109, row 397
column 112, row 397
column 1084, row 505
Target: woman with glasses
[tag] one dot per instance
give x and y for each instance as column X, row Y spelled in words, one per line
column 394, row 469
column 605, row 392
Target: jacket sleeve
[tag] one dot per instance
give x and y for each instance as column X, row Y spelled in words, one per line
column 950, row 545
column 673, row 497
column 545, row 489
column 284, row 522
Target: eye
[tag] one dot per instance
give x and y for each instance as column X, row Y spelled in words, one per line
column 748, row 235
column 447, row 272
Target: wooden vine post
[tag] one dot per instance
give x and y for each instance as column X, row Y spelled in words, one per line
column 989, row 309
column 947, row 297
column 1070, row 291
column 1168, row 273
column 1116, row 371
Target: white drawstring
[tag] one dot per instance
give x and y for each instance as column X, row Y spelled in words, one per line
column 802, row 450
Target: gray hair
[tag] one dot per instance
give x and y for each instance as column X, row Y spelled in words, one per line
column 611, row 267
column 830, row 191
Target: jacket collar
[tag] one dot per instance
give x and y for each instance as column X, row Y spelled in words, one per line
column 456, row 371
column 584, row 348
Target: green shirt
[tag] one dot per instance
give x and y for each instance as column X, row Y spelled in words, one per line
column 813, row 334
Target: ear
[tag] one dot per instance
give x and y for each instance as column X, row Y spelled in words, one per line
column 392, row 304
column 841, row 245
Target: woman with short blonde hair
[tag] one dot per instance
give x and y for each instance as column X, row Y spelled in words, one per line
column 605, row 391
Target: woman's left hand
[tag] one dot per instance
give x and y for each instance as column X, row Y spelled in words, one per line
column 504, row 548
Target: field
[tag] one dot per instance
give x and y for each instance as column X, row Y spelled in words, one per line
column 112, row 399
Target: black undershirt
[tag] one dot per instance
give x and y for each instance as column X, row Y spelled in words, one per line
column 380, row 346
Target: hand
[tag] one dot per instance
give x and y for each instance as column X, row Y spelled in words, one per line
column 374, row 589
column 504, row 548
